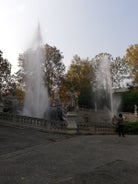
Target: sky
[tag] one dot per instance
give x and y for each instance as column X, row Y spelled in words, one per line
column 83, row 27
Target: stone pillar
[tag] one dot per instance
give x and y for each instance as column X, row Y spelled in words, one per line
column 72, row 122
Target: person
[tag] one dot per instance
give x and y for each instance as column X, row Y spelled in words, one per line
column 120, row 124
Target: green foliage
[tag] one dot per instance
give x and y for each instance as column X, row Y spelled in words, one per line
column 5, row 72
column 53, row 67
column 120, row 71
column 79, row 80
column 131, row 128
column 129, row 99
column 85, row 98
column 132, row 57
column 119, row 68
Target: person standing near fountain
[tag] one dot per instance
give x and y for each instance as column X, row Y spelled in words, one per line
column 120, row 123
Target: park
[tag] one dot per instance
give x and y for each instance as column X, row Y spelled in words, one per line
column 61, row 127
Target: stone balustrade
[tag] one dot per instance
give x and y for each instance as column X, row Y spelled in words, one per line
column 8, row 119
column 31, row 122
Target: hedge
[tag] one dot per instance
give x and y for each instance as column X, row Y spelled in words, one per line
column 131, row 128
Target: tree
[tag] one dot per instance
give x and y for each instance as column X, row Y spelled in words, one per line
column 79, row 79
column 117, row 68
column 132, row 58
column 120, row 72
column 5, row 72
column 128, row 100
column 52, row 66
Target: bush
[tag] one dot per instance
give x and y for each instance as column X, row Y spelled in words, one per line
column 131, row 128
column 129, row 99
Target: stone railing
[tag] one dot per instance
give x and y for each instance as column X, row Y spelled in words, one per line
column 7, row 119
column 31, row 122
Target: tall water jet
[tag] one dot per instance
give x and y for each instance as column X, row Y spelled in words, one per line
column 104, row 91
column 36, row 96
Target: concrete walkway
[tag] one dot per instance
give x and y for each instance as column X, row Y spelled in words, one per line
column 32, row 157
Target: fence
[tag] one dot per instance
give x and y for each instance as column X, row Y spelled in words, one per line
column 8, row 119
column 100, row 128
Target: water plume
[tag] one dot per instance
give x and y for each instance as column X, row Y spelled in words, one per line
column 105, row 99
column 36, row 100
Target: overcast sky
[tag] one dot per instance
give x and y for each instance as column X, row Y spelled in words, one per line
column 83, row 27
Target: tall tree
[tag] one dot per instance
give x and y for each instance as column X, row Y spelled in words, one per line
column 52, row 66
column 118, row 68
column 132, row 57
column 120, row 72
column 79, row 79
column 5, row 72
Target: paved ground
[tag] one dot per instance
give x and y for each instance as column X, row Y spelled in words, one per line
column 33, row 157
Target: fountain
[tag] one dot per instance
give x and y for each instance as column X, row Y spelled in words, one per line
column 36, row 96
column 105, row 99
